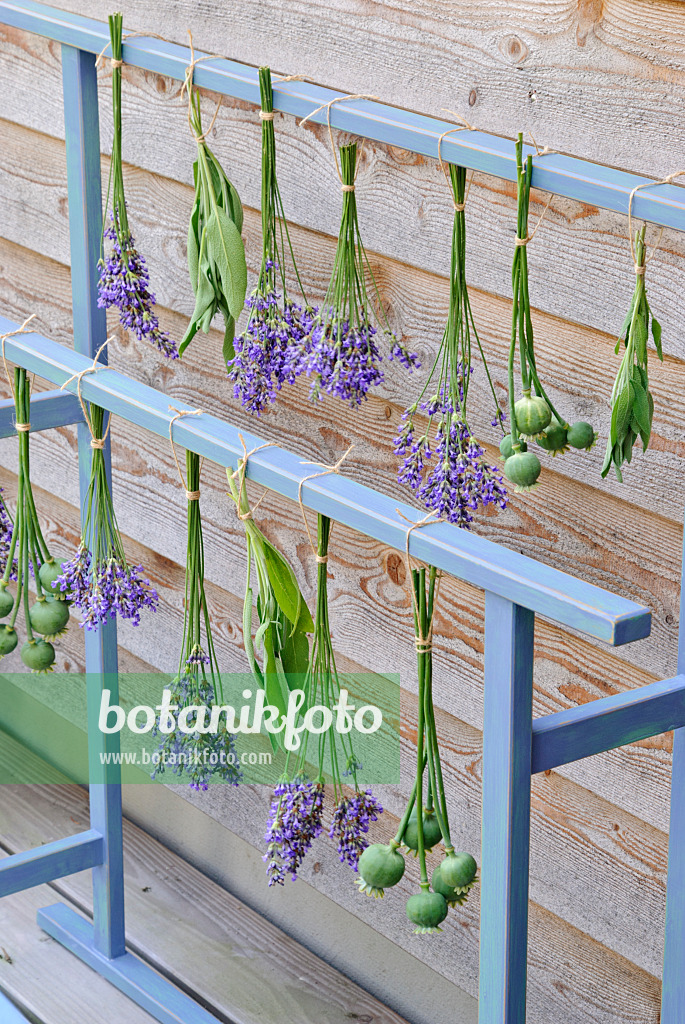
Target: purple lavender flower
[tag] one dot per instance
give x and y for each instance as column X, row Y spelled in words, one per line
column 294, row 823
column 124, row 283
column 198, row 755
column 343, row 359
column 268, row 353
column 110, row 588
column 351, row 819
column 461, row 479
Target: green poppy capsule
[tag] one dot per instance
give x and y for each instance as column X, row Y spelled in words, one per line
column 523, row 469
column 553, row 439
column 6, row 601
column 431, row 831
column 581, row 435
column 427, row 910
column 380, row 867
column 532, row 415
column 8, row 640
column 38, row 655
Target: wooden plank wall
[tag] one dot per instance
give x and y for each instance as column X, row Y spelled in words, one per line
column 602, row 80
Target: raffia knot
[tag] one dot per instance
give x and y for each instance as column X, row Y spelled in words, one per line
column 322, row 558
column 116, row 63
column 347, row 188
column 22, row 427
column 266, row 115
column 640, row 270
column 193, row 495
column 98, row 443
column 522, row 241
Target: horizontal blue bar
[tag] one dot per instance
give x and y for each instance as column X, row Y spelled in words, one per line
column 48, row 409
column 471, row 558
column 9, row 1014
column 572, row 177
column 52, row 860
column 132, row 976
column 608, row 723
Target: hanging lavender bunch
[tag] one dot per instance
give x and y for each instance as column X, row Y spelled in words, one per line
column 341, row 354
column 27, row 555
column 196, row 753
column 268, row 353
column 449, row 471
column 533, row 417
column 99, row 579
column 297, row 807
column 124, row 277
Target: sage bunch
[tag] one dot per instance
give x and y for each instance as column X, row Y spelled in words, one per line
column 268, row 352
column 99, row 579
column 533, row 417
column 296, row 816
column 425, row 821
column 215, row 251
column 284, row 618
column 197, row 753
column 632, row 405
column 445, row 466
column 124, row 279
column 341, row 355
column 28, row 556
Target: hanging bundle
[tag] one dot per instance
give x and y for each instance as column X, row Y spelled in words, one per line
column 461, row 480
column 27, row 556
column 124, row 278
column 216, row 254
column 341, row 355
column 425, row 822
column 268, row 353
column 284, row 618
column 188, row 747
column 99, row 579
column 632, row 405
column 296, row 816
column 533, row 417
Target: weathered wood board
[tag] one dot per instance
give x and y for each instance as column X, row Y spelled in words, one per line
column 600, row 80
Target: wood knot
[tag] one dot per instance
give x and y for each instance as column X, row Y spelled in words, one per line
column 514, row 49
column 590, row 13
column 396, row 568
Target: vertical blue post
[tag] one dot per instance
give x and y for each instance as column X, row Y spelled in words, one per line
column 79, row 79
column 507, row 742
column 673, row 988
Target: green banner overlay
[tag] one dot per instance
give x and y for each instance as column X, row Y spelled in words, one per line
column 148, row 729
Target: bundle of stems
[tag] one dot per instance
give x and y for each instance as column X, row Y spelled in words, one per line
column 269, row 352
column 461, row 480
column 197, row 682
column 533, row 417
column 99, row 579
column 29, row 557
column 341, row 355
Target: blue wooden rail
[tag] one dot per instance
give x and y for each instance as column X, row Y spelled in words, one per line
column 514, row 745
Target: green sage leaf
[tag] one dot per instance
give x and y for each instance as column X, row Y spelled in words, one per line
column 226, row 250
column 284, row 583
column 656, row 334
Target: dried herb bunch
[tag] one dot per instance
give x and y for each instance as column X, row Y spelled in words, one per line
column 124, row 278
column 632, row 405
column 425, row 822
column 533, row 417
column 296, row 817
column 448, row 469
column 215, row 252
column 268, row 353
column 196, row 752
column 340, row 354
column 284, row 618
column 28, row 557
column 99, row 579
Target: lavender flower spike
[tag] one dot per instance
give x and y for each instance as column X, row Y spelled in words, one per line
column 124, row 284
column 294, row 823
column 350, row 825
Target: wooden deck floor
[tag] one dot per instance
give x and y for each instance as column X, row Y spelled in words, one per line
column 242, row 968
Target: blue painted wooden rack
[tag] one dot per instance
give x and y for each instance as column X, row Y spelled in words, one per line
column 514, row 745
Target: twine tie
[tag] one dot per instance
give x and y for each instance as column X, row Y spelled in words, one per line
column 325, row 470
column 241, row 473
column 190, row 495
column 98, row 443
